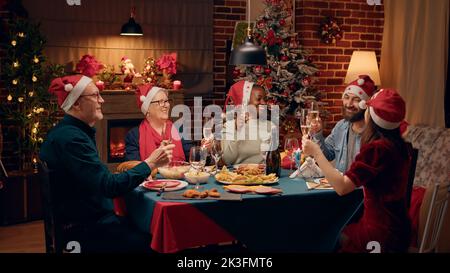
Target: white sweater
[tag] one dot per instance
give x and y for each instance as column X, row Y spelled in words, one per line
column 248, row 144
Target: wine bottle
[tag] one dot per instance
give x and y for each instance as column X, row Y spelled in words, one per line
column 273, row 158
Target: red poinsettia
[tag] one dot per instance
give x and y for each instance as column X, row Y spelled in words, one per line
column 168, row 62
column 88, row 65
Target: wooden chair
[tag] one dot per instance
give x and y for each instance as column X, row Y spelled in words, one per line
column 434, row 218
column 52, row 228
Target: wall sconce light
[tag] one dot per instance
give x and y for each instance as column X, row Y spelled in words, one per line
column 363, row 63
column 248, row 53
column 131, row 28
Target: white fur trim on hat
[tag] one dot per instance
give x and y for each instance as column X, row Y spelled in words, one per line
column 246, row 92
column 381, row 122
column 362, row 105
column 360, row 81
column 146, row 100
column 357, row 91
column 75, row 93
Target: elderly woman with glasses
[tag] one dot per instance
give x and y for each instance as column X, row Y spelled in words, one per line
column 156, row 129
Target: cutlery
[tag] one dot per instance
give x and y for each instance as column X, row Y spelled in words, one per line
column 162, row 189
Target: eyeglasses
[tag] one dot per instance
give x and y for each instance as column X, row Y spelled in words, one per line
column 97, row 95
column 162, row 102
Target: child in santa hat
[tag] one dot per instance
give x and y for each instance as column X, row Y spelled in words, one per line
column 381, row 168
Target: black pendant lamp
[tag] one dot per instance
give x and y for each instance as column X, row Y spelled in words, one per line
column 131, row 28
column 248, row 53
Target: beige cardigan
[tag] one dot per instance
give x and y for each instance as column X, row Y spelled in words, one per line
column 246, row 145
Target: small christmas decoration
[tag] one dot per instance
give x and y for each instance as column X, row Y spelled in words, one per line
column 88, row 65
column 167, row 63
column 151, row 71
column 330, row 31
column 109, row 78
column 127, row 69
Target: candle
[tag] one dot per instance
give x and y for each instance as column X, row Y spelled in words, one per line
column 100, row 85
column 176, row 85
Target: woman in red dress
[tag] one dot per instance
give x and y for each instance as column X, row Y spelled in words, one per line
column 381, row 168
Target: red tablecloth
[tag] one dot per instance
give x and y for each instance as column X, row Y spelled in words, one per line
column 177, row 226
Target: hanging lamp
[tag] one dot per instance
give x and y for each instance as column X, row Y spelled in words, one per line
column 248, row 53
column 131, row 28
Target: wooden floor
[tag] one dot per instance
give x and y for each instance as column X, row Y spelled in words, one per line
column 22, row 238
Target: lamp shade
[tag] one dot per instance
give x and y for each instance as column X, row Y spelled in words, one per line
column 363, row 63
column 248, row 54
column 131, row 28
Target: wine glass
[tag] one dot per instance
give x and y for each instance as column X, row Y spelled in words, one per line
column 290, row 146
column 197, row 158
column 216, row 153
column 305, row 123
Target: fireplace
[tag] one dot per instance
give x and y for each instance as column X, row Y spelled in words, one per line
column 116, row 133
column 120, row 114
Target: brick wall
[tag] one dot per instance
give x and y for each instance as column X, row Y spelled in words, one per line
column 363, row 29
column 362, row 26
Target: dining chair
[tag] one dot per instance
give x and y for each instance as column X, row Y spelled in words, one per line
column 53, row 230
column 434, row 218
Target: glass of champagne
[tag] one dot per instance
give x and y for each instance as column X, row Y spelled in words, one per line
column 290, row 146
column 305, row 123
column 197, row 158
column 216, row 153
column 314, row 118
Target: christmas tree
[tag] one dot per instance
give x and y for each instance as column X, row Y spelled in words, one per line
column 28, row 105
column 289, row 74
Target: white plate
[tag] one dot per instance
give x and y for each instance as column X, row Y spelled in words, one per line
column 182, row 185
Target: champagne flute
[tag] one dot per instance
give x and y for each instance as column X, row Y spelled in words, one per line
column 216, row 153
column 290, row 146
column 305, row 123
column 314, row 117
column 197, row 158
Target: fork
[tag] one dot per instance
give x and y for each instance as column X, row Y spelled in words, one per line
column 162, row 189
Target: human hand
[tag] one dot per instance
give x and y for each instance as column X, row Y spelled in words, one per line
column 161, row 156
column 207, row 143
column 310, row 148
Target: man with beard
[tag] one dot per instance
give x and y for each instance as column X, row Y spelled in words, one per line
column 343, row 144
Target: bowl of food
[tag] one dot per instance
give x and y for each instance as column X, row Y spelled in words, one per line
column 174, row 170
column 195, row 177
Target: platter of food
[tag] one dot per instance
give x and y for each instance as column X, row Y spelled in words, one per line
column 234, row 178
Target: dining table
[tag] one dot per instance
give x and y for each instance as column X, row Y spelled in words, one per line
column 296, row 221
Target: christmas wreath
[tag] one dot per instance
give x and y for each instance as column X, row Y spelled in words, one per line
column 330, row 31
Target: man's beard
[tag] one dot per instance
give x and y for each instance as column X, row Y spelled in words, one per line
column 353, row 117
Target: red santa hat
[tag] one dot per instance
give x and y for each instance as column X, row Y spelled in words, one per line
column 240, row 93
column 145, row 95
column 363, row 87
column 68, row 89
column 386, row 108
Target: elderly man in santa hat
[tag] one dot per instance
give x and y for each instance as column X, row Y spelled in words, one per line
column 343, row 144
column 84, row 185
column 381, row 168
